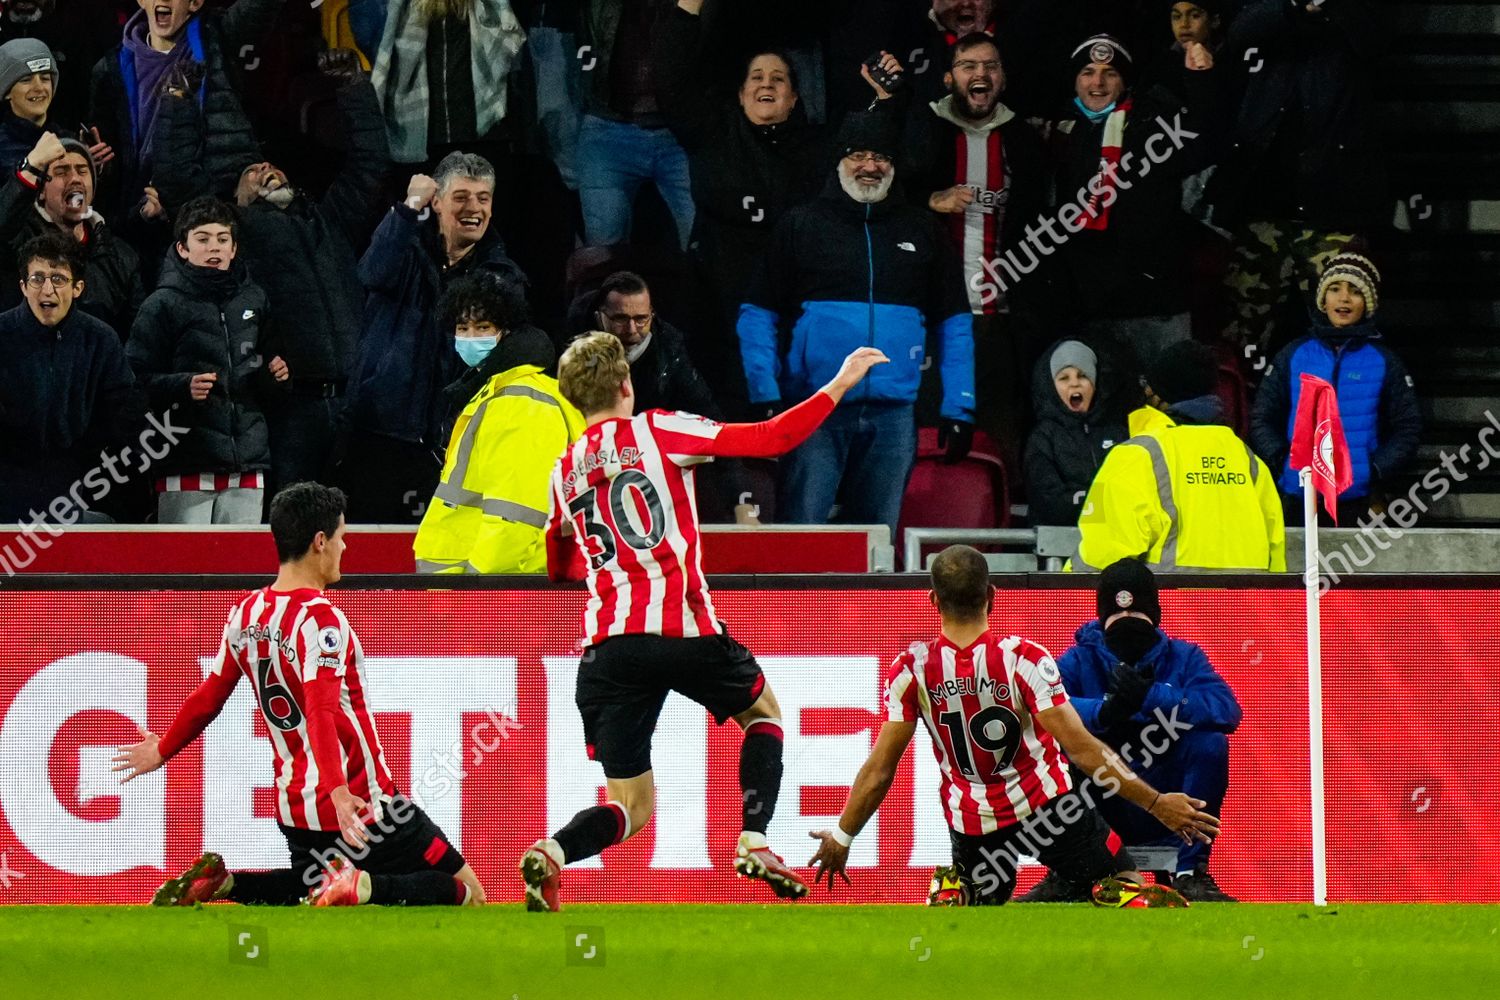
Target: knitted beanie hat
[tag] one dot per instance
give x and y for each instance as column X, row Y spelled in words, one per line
column 1103, row 49
column 1358, row 271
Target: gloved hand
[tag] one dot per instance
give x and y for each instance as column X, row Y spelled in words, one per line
column 1128, row 688
column 957, row 437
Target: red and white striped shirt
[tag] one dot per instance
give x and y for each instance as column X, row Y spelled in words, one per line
column 211, row 482
column 976, row 231
column 305, row 665
column 626, row 489
column 980, row 705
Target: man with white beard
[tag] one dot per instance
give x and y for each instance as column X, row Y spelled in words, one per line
column 859, row 267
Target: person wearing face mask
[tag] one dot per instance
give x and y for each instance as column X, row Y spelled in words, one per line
column 303, row 251
column 1121, row 672
column 394, row 412
column 1121, row 234
column 489, row 511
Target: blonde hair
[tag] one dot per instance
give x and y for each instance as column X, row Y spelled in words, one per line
column 592, row 370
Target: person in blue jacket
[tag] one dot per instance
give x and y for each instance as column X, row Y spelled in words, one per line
column 859, row 267
column 1377, row 401
column 1124, row 676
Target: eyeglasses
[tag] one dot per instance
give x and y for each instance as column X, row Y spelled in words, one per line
column 879, row 159
column 57, row 280
column 626, row 320
column 973, row 65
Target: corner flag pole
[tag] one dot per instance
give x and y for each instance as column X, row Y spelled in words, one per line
column 1315, row 689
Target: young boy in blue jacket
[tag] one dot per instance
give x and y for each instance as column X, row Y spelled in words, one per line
column 1377, row 403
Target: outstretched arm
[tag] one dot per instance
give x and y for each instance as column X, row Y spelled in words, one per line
column 786, row 431
column 1174, row 810
column 870, row 788
column 202, row 707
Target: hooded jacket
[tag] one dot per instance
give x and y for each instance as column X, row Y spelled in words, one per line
column 845, row 276
column 1183, row 493
column 1066, row 449
column 204, row 320
column 306, row 256
column 1377, row 403
column 1183, row 681
column 65, row 393
column 112, row 289
column 403, row 361
column 214, row 38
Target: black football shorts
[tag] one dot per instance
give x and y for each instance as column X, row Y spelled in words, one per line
column 623, row 681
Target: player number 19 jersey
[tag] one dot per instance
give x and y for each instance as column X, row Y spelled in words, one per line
column 980, row 704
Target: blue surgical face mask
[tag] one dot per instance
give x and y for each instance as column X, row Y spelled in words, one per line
column 473, row 350
column 1094, row 116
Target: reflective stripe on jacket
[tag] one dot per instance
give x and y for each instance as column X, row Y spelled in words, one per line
column 489, row 513
column 1182, row 496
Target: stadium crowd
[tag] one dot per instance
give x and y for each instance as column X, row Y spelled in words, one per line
column 346, row 241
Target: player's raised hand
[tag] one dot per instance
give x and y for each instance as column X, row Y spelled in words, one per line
column 1182, row 814
column 829, row 859
column 855, row 367
column 350, row 809
column 138, row 758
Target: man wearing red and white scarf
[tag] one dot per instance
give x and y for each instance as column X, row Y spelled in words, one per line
column 1120, row 159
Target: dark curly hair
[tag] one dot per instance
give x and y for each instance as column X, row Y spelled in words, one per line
column 55, row 248
column 484, row 297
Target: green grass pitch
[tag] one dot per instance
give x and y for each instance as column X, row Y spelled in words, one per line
column 782, row 952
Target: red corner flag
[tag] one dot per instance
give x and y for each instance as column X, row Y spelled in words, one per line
column 1318, row 442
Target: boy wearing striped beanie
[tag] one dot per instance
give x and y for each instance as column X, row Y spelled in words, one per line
column 1377, row 400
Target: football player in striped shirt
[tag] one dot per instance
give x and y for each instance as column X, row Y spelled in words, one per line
column 352, row 836
column 625, row 491
column 1000, row 723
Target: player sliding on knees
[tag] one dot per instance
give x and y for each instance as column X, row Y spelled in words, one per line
column 997, row 711
column 353, row 837
column 625, row 491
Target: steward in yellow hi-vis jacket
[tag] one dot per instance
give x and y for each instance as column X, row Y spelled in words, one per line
column 1184, row 492
column 489, row 514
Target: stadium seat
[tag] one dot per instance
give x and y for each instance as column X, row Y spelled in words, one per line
column 973, row 493
column 1233, row 390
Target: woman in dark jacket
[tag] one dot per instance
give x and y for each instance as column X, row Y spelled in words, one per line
column 194, row 347
column 750, row 163
column 1078, row 421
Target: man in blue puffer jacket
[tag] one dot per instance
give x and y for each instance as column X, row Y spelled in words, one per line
column 1161, row 704
column 1377, row 403
column 854, row 268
